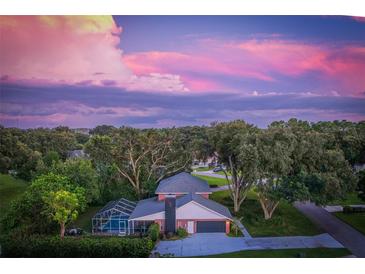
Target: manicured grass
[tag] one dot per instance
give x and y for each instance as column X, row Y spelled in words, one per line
column 222, row 173
column 356, row 220
column 212, row 180
column 351, row 199
column 84, row 220
column 286, row 221
column 203, row 168
column 10, row 189
column 287, row 253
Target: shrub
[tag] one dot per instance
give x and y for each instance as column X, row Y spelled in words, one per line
column 38, row 246
column 154, row 232
column 181, row 232
column 169, row 235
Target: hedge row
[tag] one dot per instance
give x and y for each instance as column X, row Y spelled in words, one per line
column 76, row 247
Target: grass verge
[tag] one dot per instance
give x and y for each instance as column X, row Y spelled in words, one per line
column 356, row 220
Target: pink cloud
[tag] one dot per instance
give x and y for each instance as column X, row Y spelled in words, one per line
column 342, row 67
column 84, row 50
column 193, row 62
column 69, row 50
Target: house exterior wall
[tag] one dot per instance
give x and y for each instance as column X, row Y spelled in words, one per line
column 189, row 211
column 228, row 226
column 183, row 223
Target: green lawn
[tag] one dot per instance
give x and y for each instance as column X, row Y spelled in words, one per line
column 222, row 173
column 351, row 199
column 212, row 180
column 84, row 220
column 287, row 253
column 203, row 168
column 356, row 220
column 10, row 189
column 286, row 221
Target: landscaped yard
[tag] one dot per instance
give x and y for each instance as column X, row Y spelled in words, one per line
column 286, row 221
column 287, row 253
column 10, row 189
column 356, row 220
column 84, row 220
column 212, row 180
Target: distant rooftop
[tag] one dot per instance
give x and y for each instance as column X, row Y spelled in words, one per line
column 183, row 183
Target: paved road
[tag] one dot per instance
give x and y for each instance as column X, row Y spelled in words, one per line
column 202, row 244
column 352, row 239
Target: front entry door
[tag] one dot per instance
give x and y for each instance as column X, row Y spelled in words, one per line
column 190, row 227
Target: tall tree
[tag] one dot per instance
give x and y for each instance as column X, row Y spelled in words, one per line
column 141, row 156
column 275, row 148
column 318, row 167
column 234, row 143
column 29, row 214
column 63, row 207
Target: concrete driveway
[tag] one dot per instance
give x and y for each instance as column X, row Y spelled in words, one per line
column 342, row 232
column 202, row 244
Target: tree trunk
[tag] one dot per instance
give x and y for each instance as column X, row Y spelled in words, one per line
column 62, row 230
column 236, row 201
column 268, row 207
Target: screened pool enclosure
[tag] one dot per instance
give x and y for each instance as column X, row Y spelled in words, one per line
column 113, row 219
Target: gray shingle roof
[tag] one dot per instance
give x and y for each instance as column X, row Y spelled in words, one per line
column 183, row 183
column 152, row 205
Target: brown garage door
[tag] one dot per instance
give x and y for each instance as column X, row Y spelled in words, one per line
column 210, row 226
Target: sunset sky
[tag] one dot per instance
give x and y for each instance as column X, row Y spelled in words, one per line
column 163, row 71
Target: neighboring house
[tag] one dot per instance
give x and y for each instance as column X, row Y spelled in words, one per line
column 78, row 153
column 182, row 201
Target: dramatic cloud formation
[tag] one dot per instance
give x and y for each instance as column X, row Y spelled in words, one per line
column 339, row 67
column 150, row 71
column 70, row 50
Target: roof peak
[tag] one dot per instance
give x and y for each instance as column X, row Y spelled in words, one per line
column 182, row 182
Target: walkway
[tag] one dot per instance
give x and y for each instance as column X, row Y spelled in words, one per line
column 202, row 244
column 352, row 239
